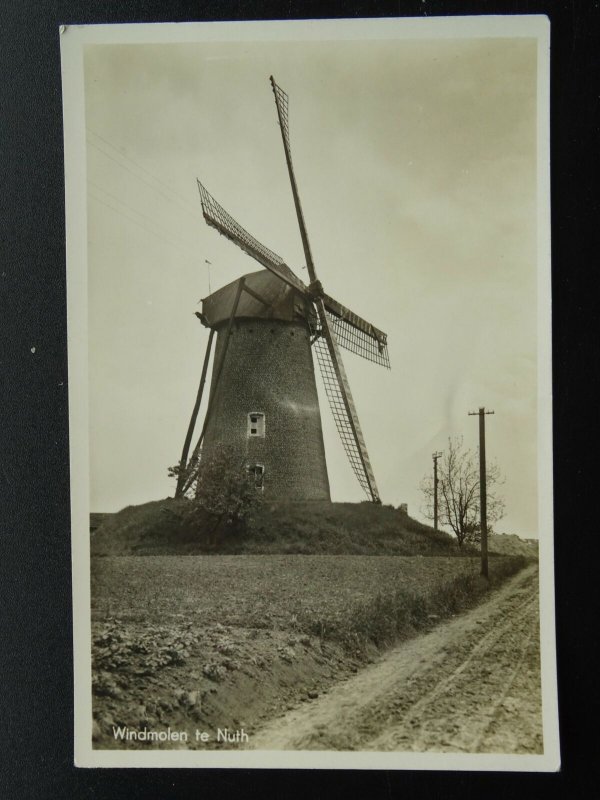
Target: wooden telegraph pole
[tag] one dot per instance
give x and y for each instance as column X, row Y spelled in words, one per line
column 435, row 457
column 482, row 488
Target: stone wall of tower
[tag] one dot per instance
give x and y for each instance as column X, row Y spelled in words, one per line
column 269, row 369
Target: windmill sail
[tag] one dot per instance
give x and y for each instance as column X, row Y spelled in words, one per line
column 336, row 383
column 342, row 406
column 356, row 334
column 281, row 102
column 216, row 216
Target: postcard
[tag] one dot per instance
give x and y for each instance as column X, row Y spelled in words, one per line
column 309, row 324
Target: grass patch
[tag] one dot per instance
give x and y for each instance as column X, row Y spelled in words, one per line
column 393, row 615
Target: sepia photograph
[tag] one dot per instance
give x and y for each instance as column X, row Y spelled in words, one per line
column 310, row 393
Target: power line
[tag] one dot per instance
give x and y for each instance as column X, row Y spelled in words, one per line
column 140, row 225
column 189, row 246
column 180, row 198
column 181, row 201
column 140, row 177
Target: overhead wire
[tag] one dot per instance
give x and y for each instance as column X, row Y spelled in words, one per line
column 175, row 199
column 140, row 225
column 188, row 245
column 180, row 199
column 139, row 177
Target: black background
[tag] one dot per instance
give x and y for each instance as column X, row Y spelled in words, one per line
column 36, row 707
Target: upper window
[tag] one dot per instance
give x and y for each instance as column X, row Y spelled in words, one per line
column 256, row 423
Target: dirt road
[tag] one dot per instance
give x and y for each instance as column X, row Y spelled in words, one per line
column 471, row 685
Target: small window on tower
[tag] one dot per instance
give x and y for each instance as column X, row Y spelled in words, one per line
column 256, row 423
column 257, row 473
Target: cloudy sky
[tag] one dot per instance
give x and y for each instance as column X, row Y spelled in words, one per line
column 416, row 163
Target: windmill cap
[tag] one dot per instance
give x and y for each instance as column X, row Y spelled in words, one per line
column 265, row 296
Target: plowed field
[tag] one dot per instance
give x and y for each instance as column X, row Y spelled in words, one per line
column 235, row 641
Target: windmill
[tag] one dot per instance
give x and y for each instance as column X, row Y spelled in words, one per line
column 263, row 399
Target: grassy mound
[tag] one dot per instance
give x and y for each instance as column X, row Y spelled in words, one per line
column 136, row 529
column 344, row 528
column 159, row 528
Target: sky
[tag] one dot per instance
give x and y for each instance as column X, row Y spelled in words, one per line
column 416, row 165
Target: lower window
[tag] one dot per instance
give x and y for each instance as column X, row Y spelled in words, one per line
column 257, row 471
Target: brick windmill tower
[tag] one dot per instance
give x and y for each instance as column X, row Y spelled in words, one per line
column 263, row 399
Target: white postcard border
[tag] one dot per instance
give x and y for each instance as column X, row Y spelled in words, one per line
column 73, row 40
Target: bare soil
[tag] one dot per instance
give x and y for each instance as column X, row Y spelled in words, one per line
column 471, row 685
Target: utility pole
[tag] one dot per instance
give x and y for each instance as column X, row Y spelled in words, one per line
column 435, row 457
column 482, row 488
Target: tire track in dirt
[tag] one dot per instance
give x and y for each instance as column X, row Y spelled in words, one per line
column 471, row 685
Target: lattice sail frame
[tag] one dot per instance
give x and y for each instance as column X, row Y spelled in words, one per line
column 356, row 340
column 216, row 216
column 283, row 103
column 346, row 423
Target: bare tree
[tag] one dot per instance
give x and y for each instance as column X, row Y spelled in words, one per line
column 458, row 492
